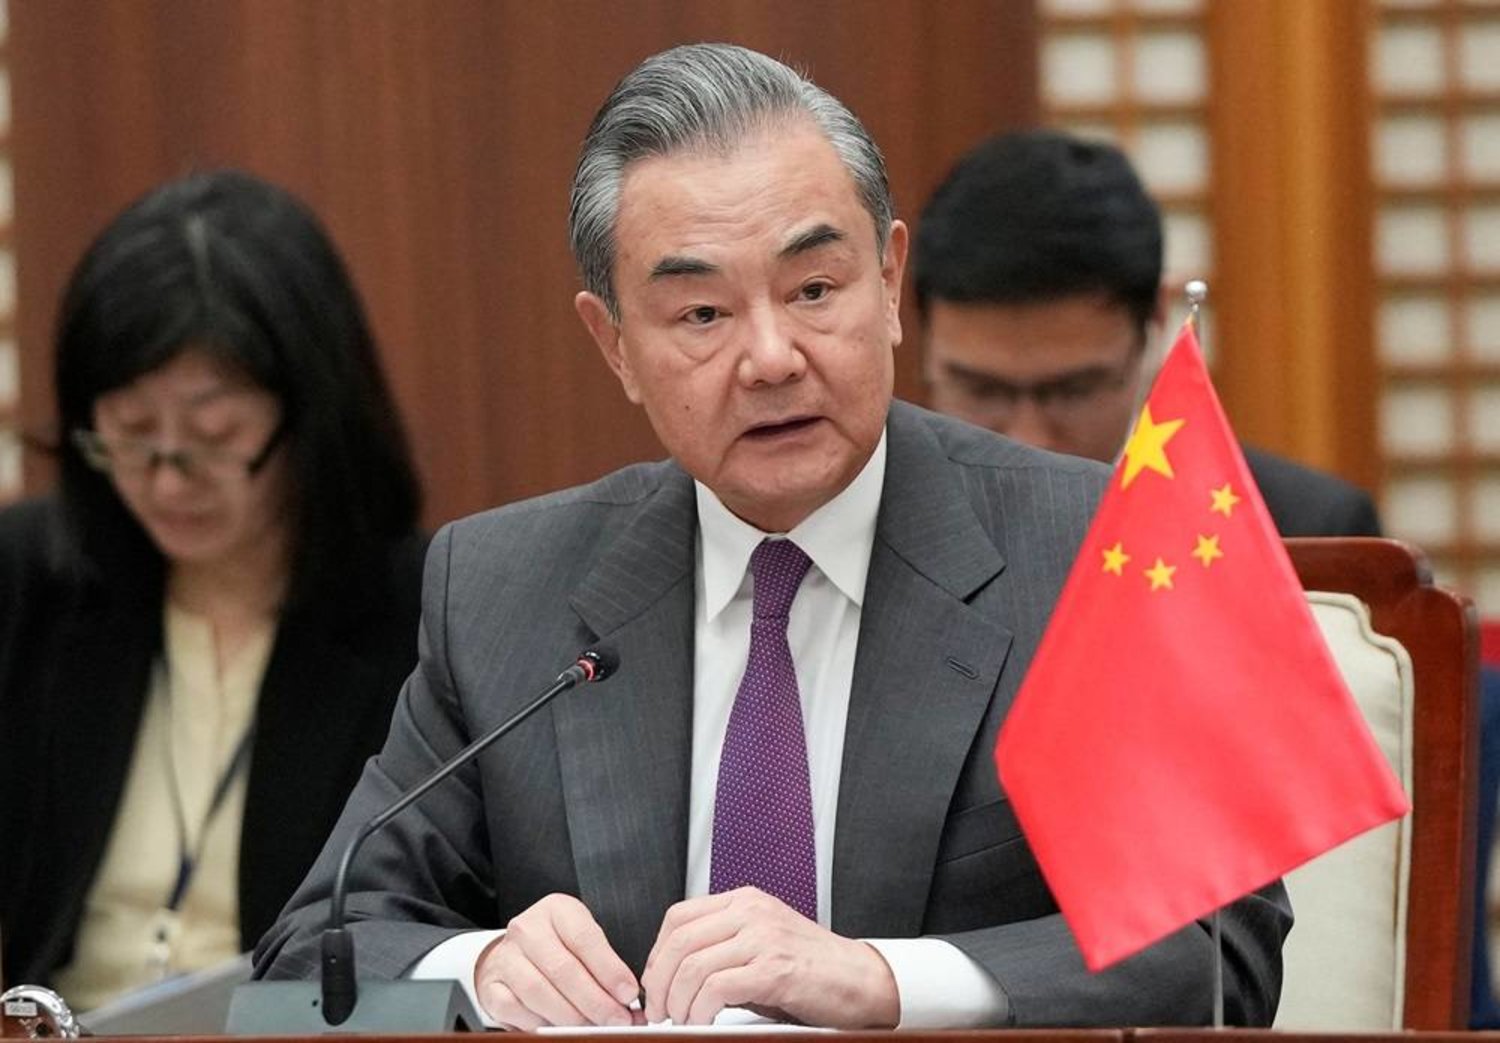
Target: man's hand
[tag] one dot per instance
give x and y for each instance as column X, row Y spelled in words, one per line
column 746, row 949
column 553, row 966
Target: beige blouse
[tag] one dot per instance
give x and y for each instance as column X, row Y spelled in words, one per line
column 194, row 721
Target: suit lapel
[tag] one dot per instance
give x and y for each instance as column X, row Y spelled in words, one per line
column 625, row 747
column 924, row 675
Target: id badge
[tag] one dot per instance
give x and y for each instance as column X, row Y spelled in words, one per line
column 166, row 929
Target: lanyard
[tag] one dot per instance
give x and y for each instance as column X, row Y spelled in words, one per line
column 188, row 859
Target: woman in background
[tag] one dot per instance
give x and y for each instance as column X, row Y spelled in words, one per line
column 203, row 632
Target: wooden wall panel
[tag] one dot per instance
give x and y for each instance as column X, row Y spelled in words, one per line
column 437, row 137
column 1292, row 199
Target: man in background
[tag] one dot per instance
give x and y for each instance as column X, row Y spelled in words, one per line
column 1038, row 267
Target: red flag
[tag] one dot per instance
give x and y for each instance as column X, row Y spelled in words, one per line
column 1183, row 736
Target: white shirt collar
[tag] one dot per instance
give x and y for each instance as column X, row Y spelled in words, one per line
column 838, row 537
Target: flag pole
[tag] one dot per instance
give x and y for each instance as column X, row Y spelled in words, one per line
column 1197, row 292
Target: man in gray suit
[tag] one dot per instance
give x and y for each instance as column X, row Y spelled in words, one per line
column 1038, row 265
column 784, row 802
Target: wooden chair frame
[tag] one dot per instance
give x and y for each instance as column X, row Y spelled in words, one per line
column 1440, row 631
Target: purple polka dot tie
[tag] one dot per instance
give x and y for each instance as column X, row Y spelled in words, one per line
column 763, row 827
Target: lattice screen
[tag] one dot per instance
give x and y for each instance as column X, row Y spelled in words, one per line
column 1435, row 75
column 1135, row 72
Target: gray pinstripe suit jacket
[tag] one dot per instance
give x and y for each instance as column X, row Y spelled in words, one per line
column 974, row 539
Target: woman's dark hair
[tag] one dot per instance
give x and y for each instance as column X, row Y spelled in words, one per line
column 229, row 264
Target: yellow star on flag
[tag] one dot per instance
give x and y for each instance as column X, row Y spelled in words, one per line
column 1115, row 559
column 1160, row 575
column 1207, row 550
column 1224, row 500
column 1147, row 448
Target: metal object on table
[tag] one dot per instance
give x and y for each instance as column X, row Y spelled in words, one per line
column 33, row 1012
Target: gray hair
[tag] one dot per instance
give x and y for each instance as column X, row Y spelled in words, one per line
column 705, row 95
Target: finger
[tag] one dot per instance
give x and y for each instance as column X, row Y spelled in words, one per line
column 500, row 1003
column 685, row 994
column 690, row 909
column 581, row 934
column 554, row 982
column 662, row 977
column 535, row 992
column 727, row 987
column 675, row 944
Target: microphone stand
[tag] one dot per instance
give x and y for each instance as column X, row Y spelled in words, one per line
column 405, row 1005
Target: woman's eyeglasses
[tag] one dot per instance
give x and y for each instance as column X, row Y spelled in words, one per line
column 136, row 456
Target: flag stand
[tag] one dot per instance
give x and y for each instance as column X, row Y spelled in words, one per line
column 1197, row 292
column 1218, row 972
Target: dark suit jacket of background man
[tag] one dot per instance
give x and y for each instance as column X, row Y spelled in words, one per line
column 1304, row 502
column 975, row 537
column 75, row 664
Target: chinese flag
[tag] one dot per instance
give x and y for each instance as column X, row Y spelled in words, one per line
column 1183, row 736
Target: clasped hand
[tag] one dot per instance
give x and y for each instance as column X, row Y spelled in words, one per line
column 744, row 948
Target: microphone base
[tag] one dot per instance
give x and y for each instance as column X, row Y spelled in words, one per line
column 295, row 1008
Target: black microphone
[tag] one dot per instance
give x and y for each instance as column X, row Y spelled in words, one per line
column 339, row 991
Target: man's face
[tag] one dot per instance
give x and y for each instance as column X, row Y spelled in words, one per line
column 757, row 319
column 1063, row 374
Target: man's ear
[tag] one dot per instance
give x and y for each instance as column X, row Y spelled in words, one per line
column 892, row 266
column 606, row 333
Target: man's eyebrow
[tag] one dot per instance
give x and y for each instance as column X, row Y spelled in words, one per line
column 811, row 239
column 975, row 376
column 674, row 264
column 814, row 237
column 986, row 379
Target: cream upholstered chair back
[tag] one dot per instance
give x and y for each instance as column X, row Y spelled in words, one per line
column 1345, row 960
column 1383, row 923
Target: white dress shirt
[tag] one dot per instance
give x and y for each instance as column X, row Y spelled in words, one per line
column 939, row 986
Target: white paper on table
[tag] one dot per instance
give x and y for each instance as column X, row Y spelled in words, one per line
column 730, row 1019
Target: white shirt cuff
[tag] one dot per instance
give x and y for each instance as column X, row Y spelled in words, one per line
column 458, row 958
column 940, row 987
